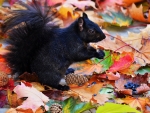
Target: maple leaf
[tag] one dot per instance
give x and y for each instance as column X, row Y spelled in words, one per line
column 123, row 63
column 53, row 2
column 86, row 68
column 34, row 100
column 81, row 4
column 87, row 91
column 116, row 18
column 131, row 70
column 129, row 2
column 142, row 56
column 115, row 44
column 137, row 13
column 137, row 103
column 103, row 4
column 142, row 89
column 112, row 76
column 134, row 40
column 120, row 86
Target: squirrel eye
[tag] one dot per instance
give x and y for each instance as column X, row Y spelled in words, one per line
column 91, row 31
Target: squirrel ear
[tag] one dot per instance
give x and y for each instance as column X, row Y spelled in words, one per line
column 85, row 15
column 80, row 23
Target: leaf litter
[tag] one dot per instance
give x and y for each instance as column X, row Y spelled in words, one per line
column 122, row 77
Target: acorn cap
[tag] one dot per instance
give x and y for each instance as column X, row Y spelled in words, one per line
column 3, row 79
column 56, row 108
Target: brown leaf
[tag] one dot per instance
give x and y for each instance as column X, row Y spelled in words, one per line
column 143, row 88
column 29, row 77
column 120, row 86
column 54, row 94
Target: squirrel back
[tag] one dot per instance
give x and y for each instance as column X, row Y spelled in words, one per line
column 38, row 45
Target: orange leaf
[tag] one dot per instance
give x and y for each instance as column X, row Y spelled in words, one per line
column 112, row 76
column 129, row 2
column 131, row 70
column 87, row 91
column 137, row 13
column 138, row 103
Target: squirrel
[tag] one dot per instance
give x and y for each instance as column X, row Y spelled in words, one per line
column 37, row 44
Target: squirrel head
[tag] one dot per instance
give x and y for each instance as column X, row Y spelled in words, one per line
column 88, row 30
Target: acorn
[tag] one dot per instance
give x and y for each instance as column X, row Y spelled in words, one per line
column 56, row 108
column 3, row 79
column 76, row 79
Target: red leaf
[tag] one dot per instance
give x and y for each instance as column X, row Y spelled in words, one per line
column 10, row 85
column 123, row 63
column 53, row 2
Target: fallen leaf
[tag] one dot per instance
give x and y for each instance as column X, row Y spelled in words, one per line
column 137, row 13
column 29, row 77
column 129, row 2
column 65, row 12
column 116, row 18
column 123, row 63
column 86, row 68
column 34, row 100
column 87, row 91
column 112, row 76
column 54, row 94
column 142, row 89
column 134, row 40
column 53, row 2
column 116, row 44
column 120, row 87
column 137, row 103
column 131, row 70
column 142, row 56
column 101, row 98
column 115, row 108
column 81, row 4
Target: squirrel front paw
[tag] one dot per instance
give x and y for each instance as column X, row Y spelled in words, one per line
column 100, row 54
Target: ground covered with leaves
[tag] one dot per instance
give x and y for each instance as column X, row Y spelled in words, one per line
column 118, row 83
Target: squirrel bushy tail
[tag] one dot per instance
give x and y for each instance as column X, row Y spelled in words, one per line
column 25, row 30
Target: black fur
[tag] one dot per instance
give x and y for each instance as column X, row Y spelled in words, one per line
column 40, row 46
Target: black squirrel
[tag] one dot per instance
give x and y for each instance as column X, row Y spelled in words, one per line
column 37, row 44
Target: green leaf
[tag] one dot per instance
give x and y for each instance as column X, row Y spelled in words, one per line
column 143, row 70
column 108, row 90
column 115, row 108
column 116, row 18
column 72, row 105
column 107, row 62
